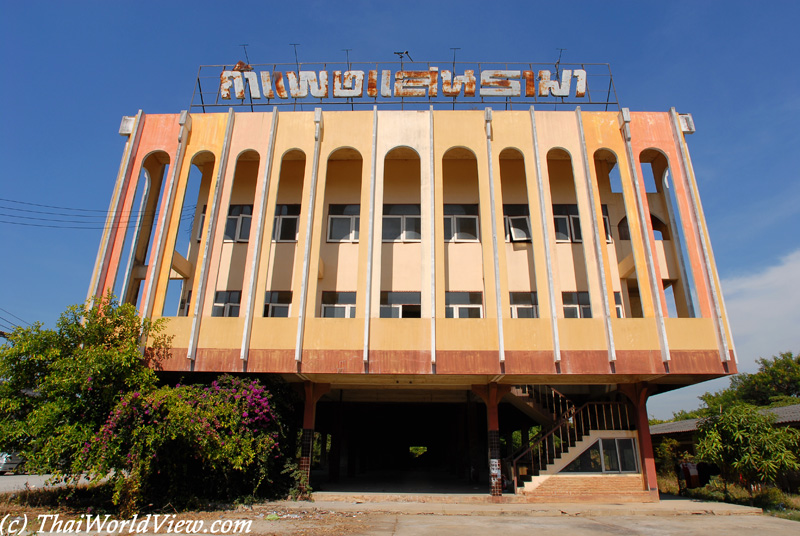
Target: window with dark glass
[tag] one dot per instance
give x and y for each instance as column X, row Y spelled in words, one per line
column 286, row 223
column 202, row 222
column 226, row 303
column 338, row 304
column 606, row 456
column 607, row 224
column 237, row 227
column 401, row 223
column 461, row 223
column 576, row 305
column 463, row 305
column 516, row 219
column 278, row 303
column 343, row 223
column 567, row 223
column 618, row 305
column 400, row 305
column 524, row 305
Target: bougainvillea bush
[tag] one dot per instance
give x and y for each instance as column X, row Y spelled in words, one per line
column 191, row 443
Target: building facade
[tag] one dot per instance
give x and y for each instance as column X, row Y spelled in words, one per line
column 435, row 278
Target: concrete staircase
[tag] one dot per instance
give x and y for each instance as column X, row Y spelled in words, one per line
column 573, row 431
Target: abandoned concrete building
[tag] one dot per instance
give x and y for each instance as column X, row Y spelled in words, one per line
column 484, row 297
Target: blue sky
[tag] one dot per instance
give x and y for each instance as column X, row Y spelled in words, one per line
column 73, row 69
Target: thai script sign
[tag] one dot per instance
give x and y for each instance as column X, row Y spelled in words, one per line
column 404, row 85
column 384, row 83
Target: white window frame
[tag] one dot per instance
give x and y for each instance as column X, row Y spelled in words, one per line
column 515, row 311
column 569, row 230
column 619, row 306
column 607, row 229
column 278, row 224
column 575, row 222
column 354, row 231
column 510, row 230
column 401, row 307
column 460, row 308
column 403, row 227
column 349, row 308
column 583, row 310
column 239, row 219
column 270, row 306
column 227, row 305
column 454, row 219
column 202, row 222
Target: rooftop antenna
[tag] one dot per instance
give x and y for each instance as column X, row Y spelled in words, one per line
column 296, row 62
column 246, row 57
column 347, row 54
column 560, row 52
column 558, row 76
column 454, row 57
column 401, row 55
column 454, row 70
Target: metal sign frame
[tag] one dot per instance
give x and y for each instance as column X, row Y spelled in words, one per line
column 381, row 81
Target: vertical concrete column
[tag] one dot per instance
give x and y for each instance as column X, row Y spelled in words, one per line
column 104, row 274
column 638, row 394
column 546, row 223
column 157, row 254
column 313, row 391
column 724, row 340
column 213, row 217
column 261, row 211
column 655, row 284
column 495, row 253
column 601, row 256
column 370, row 233
column 318, row 129
column 491, row 395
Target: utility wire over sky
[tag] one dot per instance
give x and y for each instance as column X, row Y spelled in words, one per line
column 12, row 213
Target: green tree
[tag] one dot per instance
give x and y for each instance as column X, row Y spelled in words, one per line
column 189, row 442
column 59, row 386
column 777, row 381
column 746, row 446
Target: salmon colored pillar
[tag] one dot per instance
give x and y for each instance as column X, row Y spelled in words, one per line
column 491, row 395
column 313, row 392
column 638, row 394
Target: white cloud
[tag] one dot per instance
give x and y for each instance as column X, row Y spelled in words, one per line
column 763, row 310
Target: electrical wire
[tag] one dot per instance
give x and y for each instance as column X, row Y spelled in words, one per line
column 15, row 316
column 6, row 321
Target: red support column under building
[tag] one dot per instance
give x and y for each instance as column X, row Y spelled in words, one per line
column 491, row 395
column 638, row 394
column 313, row 392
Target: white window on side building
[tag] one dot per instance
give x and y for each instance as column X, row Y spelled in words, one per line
column 461, row 223
column 400, row 305
column 524, row 305
column 237, row 227
column 576, row 305
column 226, row 303
column 338, row 304
column 278, row 303
column 286, row 223
column 463, row 305
column 401, row 223
column 343, row 223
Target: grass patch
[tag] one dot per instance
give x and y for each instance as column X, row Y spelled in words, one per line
column 773, row 501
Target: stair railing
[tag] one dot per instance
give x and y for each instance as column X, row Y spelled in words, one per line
column 573, row 425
